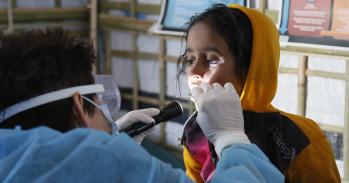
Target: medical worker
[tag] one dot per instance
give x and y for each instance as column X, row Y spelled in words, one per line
column 55, row 127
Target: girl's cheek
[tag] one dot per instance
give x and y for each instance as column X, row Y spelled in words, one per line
column 209, row 77
column 190, row 82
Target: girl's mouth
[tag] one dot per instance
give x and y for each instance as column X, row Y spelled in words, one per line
column 195, row 84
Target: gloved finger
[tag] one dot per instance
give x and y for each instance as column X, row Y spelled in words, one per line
column 149, row 111
column 196, row 91
column 216, row 87
column 133, row 117
column 138, row 116
column 139, row 138
column 205, row 87
column 230, row 88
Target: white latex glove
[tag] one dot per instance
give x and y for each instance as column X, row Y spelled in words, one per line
column 143, row 115
column 220, row 114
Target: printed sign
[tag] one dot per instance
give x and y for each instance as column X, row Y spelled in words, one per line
column 323, row 22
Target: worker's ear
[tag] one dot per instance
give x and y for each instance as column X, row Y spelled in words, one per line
column 78, row 110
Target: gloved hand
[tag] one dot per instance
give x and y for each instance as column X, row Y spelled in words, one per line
column 219, row 114
column 143, row 115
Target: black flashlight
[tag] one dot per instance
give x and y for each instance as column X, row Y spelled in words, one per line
column 170, row 111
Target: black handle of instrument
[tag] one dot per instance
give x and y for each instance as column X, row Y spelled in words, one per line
column 138, row 128
column 168, row 112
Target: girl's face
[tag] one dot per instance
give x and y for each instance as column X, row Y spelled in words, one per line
column 208, row 58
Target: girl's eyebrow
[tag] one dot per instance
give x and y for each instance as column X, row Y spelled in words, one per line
column 213, row 49
column 208, row 49
column 188, row 50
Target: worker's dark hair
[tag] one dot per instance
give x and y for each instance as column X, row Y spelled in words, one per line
column 234, row 27
column 36, row 62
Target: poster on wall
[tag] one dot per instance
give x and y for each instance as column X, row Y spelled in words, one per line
column 176, row 13
column 319, row 22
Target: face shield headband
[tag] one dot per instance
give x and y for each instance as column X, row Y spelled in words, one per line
column 105, row 88
column 47, row 98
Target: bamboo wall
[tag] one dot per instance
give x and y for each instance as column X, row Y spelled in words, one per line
column 20, row 18
column 16, row 16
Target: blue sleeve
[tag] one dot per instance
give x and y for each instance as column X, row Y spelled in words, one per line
column 84, row 155
column 245, row 163
column 80, row 155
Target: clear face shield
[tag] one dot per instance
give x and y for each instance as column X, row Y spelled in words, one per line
column 110, row 100
column 105, row 89
column 111, row 95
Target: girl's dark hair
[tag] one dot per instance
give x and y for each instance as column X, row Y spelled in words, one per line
column 37, row 62
column 234, row 27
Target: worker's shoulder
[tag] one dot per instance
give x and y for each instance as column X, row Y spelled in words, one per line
column 79, row 139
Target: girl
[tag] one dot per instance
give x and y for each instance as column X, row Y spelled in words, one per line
column 241, row 46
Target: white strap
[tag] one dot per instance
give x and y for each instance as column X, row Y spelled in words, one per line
column 47, row 98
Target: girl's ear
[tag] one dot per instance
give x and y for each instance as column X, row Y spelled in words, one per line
column 78, row 110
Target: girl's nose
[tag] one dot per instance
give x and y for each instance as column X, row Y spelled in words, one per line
column 198, row 69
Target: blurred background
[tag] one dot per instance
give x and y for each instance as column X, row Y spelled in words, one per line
column 313, row 82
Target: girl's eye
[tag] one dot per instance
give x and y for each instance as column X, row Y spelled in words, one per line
column 212, row 62
column 190, row 62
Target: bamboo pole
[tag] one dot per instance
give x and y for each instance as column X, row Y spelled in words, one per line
column 171, row 58
column 58, row 3
column 273, row 15
column 10, row 16
column 332, row 75
column 93, row 22
column 14, row 3
column 162, row 77
column 93, row 29
column 162, row 71
column 142, row 55
column 108, row 5
column 288, row 70
column 108, row 55
column 44, row 14
column 139, row 8
column 144, row 99
column 132, row 7
column 125, row 23
column 79, row 33
column 346, row 129
column 135, row 88
column 135, row 66
column 150, row 100
column 331, row 128
column 302, row 85
column 262, row 5
column 318, row 51
column 82, row 24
